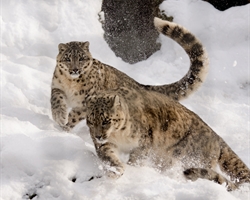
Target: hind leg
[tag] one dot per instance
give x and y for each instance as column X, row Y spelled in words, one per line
column 209, row 174
column 233, row 166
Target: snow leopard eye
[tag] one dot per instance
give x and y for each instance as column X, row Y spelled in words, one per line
column 81, row 59
column 67, row 60
column 105, row 123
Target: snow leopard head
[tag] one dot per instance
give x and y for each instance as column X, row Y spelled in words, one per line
column 74, row 57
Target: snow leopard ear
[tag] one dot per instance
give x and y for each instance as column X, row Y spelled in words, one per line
column 85, row 46
column 117, row 101
column 62, row 47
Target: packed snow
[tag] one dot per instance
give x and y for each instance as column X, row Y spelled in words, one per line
column 40, row 161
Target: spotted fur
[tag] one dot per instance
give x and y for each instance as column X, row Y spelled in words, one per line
column 78, row 75
column 149, row 125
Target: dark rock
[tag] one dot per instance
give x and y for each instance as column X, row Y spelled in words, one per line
column 129, row 28
column 225, row 4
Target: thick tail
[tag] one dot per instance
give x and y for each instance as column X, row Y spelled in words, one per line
column 198, row 61
column 233, row 166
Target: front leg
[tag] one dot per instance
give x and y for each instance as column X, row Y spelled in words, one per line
column 59, row 106
column 75, row 116
column 137, row 156
column 108, row 153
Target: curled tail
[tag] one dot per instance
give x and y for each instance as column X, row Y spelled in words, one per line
column 198, row 61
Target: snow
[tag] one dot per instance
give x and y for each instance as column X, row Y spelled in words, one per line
column 40, row 161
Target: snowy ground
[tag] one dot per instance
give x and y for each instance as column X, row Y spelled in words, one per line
column 40, row 161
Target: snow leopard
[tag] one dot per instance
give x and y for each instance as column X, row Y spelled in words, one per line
column 153, row 128
column 77, row 75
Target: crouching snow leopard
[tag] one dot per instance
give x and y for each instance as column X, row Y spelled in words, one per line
column 149, row 125
column 78, row 76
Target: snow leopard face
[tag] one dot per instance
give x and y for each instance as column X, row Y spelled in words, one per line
column 104, row 117
column 74, row 58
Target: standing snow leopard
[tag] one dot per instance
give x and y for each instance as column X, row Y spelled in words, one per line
column 78, row 76
column 150, row 126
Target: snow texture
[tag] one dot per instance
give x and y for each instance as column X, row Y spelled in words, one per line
column 40, row 161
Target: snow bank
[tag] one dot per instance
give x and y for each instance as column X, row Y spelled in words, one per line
column 40, row 161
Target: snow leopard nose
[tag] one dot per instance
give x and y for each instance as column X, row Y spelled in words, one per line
column 75, row 70
column 98, row 137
